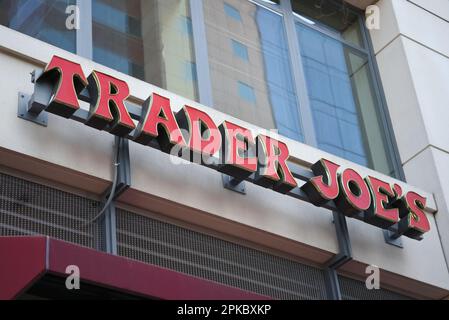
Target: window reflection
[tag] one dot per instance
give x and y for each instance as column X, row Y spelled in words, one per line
column 41, row 19
column 249, row 61
column 255, row 84
column 148, row 39
column 344, row 107
column 336, row 17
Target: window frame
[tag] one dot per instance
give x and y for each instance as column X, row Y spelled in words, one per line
column 390, row 139
column 284, row 8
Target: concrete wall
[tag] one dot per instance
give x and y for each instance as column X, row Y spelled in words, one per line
column 226, row 70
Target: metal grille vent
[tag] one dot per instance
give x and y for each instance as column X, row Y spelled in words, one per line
column 27, row 208
column 356, row 290
column 151, row 241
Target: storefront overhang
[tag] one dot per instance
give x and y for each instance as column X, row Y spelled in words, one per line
column 28, row 261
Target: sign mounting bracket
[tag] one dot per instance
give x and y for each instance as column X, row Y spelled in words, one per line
column 393, row 238
column 24, row 111
column 233, row 184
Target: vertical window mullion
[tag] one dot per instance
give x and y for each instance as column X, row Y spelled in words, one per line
column 201, row 54
column 299, row 75
column 84, row 43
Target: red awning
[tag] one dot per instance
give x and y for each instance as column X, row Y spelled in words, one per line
column 26, row 260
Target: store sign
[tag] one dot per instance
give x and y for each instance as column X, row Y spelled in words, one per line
column 240, row 154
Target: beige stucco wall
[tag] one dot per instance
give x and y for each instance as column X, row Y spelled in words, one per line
column 79, row 156
column 413, row 57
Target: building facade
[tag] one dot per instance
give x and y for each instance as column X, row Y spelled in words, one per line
column 373, row 100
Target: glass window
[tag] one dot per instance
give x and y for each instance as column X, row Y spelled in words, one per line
column 185, row 24
column 41, row 19
column 343, row 103
column 232, row 12
column 267, row 70
column 336, row 18
column 240, row 50
column 150, row 40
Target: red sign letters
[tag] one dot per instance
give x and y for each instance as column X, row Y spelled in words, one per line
column 240, row 153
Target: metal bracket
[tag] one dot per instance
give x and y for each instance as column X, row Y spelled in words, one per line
column 393, row 239
column 24, row 111
column 233, row 184
column 108, row 220
column 332, row 284
column 344, row 243
column 342, row 257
